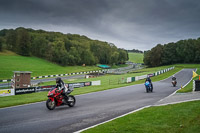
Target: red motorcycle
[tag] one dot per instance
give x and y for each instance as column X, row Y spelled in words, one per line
column 56, row 98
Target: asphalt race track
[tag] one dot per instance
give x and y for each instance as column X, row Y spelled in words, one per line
column 90, row 108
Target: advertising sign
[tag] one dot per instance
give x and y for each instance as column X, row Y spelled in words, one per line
column 7, row 92
column 44, row 88
column 24, row 90
column 128, row 79
column 87, row 83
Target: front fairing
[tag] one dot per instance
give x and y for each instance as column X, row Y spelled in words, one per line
column 147, row 83
column 52, row 92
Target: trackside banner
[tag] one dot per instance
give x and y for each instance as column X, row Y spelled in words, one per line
column 7, row 92
column 24, row 90
column 78, row 85
column 44, row 88
column 47, row 88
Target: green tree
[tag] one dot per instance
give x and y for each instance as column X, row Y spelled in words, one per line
column 11, row 38
column 123, row 55
column 40, row 46
column 169, row 54
column 1, row 44
column 156, row 55
column 87, row 58
column 197, row 51
column 23, row 42
column 147, row 58
column 59, row 53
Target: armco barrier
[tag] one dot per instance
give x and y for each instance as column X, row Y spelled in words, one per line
column 59, row 75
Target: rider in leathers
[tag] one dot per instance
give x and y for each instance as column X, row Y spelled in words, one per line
column 148, row 79
column 61, row 85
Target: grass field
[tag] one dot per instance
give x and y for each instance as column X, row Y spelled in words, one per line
column 136, row 57
column 10, row 62
column 178, row 118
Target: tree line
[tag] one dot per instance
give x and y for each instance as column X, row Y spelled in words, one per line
column 183, row 51
column 63, row 49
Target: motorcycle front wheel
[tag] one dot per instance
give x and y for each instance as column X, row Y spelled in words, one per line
column 50, row 104
column 71, row 101
column 147, row 89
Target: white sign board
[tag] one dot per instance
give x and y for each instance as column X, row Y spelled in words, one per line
column 96, row 82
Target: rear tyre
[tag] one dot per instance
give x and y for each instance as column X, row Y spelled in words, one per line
column 50, row 104
column 71, row 101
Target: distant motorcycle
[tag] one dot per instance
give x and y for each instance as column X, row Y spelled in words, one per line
column 174, row 82
column 55, row 98
column 148, row 86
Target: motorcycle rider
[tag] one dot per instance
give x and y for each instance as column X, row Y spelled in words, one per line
column 61, row 85
column 173, row 78
column 149, row 79
column 174, row 82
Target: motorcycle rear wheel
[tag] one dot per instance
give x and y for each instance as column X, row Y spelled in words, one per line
column 50, row 104
column 71, row 101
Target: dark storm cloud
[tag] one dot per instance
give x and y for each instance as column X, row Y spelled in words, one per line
column 57, row 11
column 128, row 23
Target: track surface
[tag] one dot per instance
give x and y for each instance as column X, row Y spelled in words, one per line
column 90, row 108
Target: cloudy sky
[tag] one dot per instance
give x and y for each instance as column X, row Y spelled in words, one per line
column 129, row 24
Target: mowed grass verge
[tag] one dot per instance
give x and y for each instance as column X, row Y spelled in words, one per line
column 177, row 118
column 10, row 62
column 136, row 57
column 107, row 82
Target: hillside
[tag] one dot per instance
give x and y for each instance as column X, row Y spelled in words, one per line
column 63, row 49
column 136, row 57
column 10, row 62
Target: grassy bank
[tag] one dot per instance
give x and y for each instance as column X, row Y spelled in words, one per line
column 11, row 62
column 136, row 57
column 183, row 117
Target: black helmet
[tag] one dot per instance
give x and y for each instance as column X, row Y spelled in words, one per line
column 58, row 79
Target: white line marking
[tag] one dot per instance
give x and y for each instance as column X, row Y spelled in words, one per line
column 177, row 102
column 112, row 119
